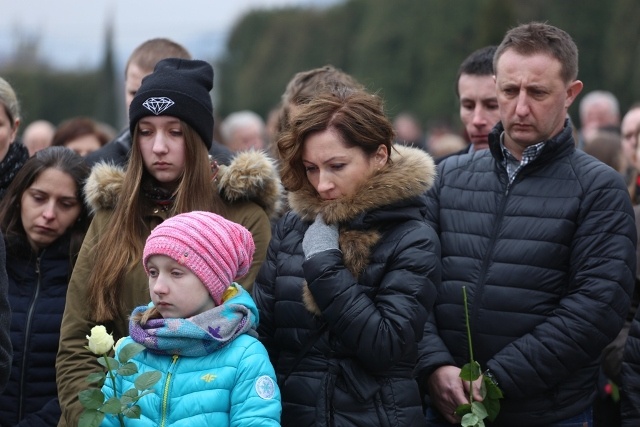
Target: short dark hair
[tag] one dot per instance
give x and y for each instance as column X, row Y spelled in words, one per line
column 356, row 115
column 539, row 37
column 478, row 63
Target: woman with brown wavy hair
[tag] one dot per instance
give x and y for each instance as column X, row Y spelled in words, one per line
column 352, row 269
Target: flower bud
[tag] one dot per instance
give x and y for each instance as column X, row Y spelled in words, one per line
column 100, row 342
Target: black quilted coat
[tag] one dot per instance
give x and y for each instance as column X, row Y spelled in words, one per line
column 37, row 293
column 549, row 265
column 373, row 295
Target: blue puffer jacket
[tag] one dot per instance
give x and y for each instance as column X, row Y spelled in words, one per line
column 37, row 293
column 233, row 386
column 353, row 317
column 549, row 266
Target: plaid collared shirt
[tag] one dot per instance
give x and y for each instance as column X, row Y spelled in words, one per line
column 514, row 165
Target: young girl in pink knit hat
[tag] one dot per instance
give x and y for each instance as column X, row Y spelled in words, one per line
column 199, row 330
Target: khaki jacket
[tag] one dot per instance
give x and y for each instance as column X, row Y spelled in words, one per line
column 251, row 190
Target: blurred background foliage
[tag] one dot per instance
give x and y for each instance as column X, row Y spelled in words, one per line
column 406, row 50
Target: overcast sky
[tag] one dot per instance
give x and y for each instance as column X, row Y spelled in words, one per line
column 71, row 32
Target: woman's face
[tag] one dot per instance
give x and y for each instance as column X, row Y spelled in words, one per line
column 8, row 130
column 49, row 207
column 336, row 170
column 84, row 145
column 162, row 145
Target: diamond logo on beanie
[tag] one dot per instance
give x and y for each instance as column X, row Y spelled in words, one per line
column 157, row 104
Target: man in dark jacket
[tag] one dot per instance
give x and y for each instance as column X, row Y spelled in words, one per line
column 543, row 238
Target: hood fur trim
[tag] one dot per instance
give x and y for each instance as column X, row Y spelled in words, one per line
column 412, row 173
column 103, row 187
column 251, row 175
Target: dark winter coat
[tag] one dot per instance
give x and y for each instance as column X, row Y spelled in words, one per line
column 37, row 293
column 549, row 267
column 630, row 402
column 373, row 295
column 5, row 321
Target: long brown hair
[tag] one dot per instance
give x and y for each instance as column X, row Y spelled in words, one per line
column 119, row 250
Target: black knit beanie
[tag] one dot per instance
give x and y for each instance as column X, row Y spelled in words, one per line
column 178, row 88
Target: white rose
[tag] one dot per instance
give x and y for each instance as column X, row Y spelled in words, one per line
column 100, row 342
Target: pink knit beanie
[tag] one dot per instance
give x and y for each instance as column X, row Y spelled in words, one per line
column 216, row 250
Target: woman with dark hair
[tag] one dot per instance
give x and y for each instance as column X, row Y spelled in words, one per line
column 169, row 172
column 352, row 270
column 43, row 220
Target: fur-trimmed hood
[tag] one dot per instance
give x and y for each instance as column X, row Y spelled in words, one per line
column 251, row 175
column 410, row 174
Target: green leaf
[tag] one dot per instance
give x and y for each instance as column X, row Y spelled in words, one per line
column 463, row 409
column 470, row 420
column 127, row 369
column 96, row 377
column 493, row 408
column 470, row 371
column 147, row 380
column 493, row 391
column 129, row 396
column 112, row 406
column 113, row 363
column 132, row 412
column 129, row 351
column 90, row 418
column 91, row 398
column 478, row 409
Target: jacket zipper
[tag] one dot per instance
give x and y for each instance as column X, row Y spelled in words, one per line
column 485, row 262
column 165, row 391
column 27, row 334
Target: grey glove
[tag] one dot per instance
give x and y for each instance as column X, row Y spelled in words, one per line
column 319, row 237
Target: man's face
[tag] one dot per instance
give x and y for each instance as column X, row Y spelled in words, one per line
column 478, row 107
column 132, row 82
column 532, row 97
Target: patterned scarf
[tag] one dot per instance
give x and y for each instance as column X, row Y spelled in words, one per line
column 11, row 164
column 201, row 334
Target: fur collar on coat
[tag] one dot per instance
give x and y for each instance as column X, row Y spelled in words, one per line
column 411, row 173
column 251, row 175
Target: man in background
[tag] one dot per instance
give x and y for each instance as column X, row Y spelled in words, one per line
column 476, row 91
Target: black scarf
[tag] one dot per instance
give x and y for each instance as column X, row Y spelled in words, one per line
column 157, row 195
column 16, row 156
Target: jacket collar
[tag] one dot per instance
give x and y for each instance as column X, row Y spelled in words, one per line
column 562, row 143
column 251, row 175
column 410, row 174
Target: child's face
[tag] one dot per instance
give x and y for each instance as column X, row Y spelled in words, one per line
column 175, row 290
